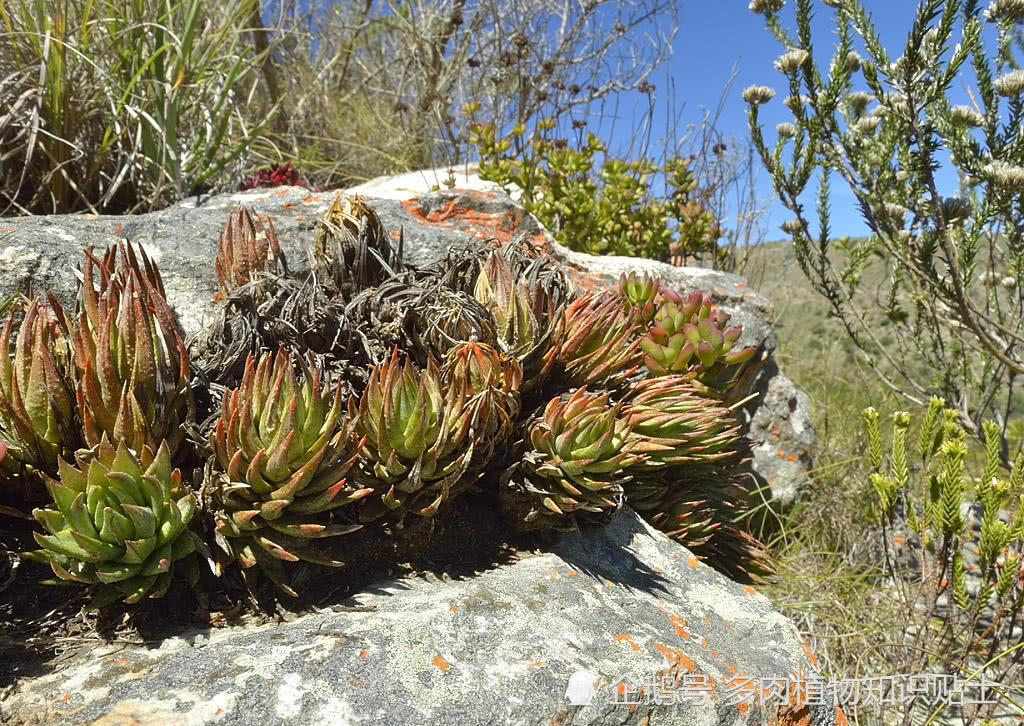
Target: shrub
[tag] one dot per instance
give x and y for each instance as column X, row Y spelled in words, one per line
column 612, row 208
column 961, row 590
column 953, row 258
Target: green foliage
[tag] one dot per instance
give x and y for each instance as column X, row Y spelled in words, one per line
column 486, row 373
column 121, row 105
column 597, row 203
column 880, row 122
column 969, row 529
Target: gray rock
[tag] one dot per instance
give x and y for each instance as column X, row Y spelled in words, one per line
column 516, row 644
column 782, row 436
column 41, row 253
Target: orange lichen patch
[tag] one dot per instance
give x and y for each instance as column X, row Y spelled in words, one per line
column 627, row 639
column 118, row 229
column 441, row 663
column 792, row 457
column 364, row 653
column 715, row 654
column 808, row 653
column 841, row 717
column 289, row 205
column 750, row 590
column 396, row 234
column 281, row 193
column 693, row 562
column 555, row 576
column 679, row 625
column 310, row 200
column 657, row 570
column 536, row 664
column 122, row 663
column 359, row 682
column 704, row 643
column 67, row 698
column 731, row 668
column 899, row 539
column 572, row 573
column 743, row 707
column 453, row 609
column 741, row 286
column 676, row 657
column 482, row 225
column 790, row 716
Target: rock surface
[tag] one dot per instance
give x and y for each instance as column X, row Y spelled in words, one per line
column 42, row 253
column 547, row 639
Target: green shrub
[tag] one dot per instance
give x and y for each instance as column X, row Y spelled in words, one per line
column 596, row 203
column 953, row 258
column 963, row 597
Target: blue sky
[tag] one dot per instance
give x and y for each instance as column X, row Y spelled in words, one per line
column 717, row 35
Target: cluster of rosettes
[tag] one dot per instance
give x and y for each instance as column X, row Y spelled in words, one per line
column 110, row 389
column 361, row 394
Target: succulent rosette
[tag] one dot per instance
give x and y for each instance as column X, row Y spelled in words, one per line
column 132, row 367
column 529, row 315
column 351, row 249
column 691, row 336
column 37, row 422
column 418, row 445
column 247, row 247
column 601, row 346
column 639, row 292
column 283, row 450
column 117, row 523
column 483, row 384
column 578, row 454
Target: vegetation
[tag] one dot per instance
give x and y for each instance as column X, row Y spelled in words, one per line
column 609, row 210
column 507, row 387
column 115, row 106
column 953, row 257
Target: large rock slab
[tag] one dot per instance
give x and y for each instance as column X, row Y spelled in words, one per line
column 42, row 253
column 552, row 638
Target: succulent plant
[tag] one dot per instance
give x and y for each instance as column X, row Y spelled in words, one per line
column 678, row 424
column 529, row 315
column 580, row 452
column 690, row 336
column 247, row 246
column 640, row 292
column 282, row 452
column 36, row 395
column 352, row 249
column 602, row 340
column 484, row 385
column 275, row 175
column 118, row 523
column 132, row 367
column 418, row 444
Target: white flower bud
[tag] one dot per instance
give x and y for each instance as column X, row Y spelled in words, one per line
column 785, row 130
column 1006, row 175
column 866, row 126
column 791, row 60
column 756, row 95
column 1010, row 84
column 966, row 116
column 1012, row 10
